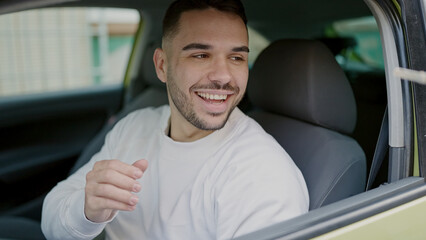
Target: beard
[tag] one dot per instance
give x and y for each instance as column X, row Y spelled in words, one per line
column 186, row 107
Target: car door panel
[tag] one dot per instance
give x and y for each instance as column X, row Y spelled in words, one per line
column 402, row 222
column 342, row 214
column 42, row 135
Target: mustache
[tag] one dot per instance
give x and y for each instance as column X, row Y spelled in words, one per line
column 216, row 86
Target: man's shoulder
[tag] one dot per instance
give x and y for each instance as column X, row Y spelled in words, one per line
column 250, row 140
column 256, row 153
column 255, row 157
column 251, row 133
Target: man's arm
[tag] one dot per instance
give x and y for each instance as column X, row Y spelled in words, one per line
column 80, row 206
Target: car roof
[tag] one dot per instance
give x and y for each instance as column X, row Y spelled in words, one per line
column 303, row 19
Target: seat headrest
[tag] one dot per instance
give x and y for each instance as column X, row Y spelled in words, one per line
column 301, row 79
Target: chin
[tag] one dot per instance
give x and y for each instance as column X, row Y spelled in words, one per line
column 210, row 120
column 215, row 121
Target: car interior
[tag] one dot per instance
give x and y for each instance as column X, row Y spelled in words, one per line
column 326, row 115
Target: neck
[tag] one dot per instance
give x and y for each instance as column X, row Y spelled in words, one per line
column 180, row 130
column 186, row 132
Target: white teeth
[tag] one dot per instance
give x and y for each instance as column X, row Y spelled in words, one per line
column 212, row 96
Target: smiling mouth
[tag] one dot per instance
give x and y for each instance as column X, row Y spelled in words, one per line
column 213, row 98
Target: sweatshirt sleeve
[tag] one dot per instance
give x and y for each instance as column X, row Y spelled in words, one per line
column 260, row 188
column 63, row 208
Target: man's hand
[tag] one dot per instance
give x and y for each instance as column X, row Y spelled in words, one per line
column 109, row 188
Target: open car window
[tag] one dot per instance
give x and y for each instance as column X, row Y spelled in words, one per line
column 54, row 49
column 363, row 52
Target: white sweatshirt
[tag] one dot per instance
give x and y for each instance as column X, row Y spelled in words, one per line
column 232, row 182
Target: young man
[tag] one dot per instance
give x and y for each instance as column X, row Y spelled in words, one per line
column 213, row 172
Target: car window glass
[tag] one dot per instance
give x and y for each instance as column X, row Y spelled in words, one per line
column 363, row 50
column 64, row 48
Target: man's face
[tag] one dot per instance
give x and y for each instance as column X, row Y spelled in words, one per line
column 206, row 67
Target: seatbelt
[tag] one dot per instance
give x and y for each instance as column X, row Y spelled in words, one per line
column 382, row 147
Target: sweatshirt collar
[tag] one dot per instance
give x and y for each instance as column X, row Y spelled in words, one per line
column 205, row 146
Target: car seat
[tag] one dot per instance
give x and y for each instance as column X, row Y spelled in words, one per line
column 302, row 98
column 153, row 93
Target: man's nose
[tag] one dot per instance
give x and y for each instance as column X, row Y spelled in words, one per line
column 220, row 71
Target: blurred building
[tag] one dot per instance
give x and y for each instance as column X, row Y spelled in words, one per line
column 59, row 49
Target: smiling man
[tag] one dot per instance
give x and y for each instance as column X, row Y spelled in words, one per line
column 213, row 172
column 205, row 69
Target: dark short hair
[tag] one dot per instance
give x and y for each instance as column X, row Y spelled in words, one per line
column 175, row 10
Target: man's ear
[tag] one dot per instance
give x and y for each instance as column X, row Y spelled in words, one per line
column 160, row 64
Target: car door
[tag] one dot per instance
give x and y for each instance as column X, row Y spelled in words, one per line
column 61, row 79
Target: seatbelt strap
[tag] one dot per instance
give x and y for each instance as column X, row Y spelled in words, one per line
column 382, row 147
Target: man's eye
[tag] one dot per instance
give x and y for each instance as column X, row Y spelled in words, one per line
column 237, row 58
column 201, row 56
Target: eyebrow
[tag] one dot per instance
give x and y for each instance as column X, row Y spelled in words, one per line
column 201, row 46
column 241, row 49
column 193, row 46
